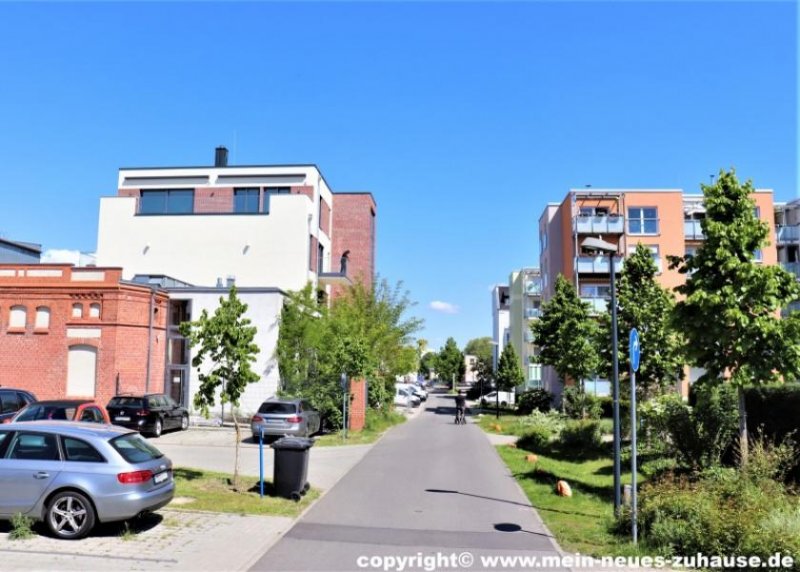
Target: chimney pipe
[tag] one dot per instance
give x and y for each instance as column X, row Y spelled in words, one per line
column 221, row 157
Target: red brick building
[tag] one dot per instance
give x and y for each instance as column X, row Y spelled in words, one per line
column 354, row 235
column 80, row 332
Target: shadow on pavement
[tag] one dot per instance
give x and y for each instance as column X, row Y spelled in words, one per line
column 511, row 527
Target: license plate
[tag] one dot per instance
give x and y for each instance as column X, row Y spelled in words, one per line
column 122, row 418
column 274, row 421
column 161, row 477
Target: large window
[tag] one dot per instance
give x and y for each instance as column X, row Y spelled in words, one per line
column 320, row 258
column 595, row 290
column 174, row 201
column 18, row 317
column 245, row 200
column 273, row 191
column 643, row 220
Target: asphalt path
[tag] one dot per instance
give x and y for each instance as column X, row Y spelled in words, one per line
column 428, row 489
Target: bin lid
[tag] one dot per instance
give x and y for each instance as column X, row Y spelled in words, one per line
column 294, row 443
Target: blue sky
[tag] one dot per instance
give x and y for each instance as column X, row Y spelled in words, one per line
column 462, row 119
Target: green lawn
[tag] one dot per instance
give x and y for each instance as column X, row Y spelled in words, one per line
column 377, row 424
column 212, row 492
column 509, row 424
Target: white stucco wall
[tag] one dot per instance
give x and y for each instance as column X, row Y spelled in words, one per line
column 264, row 310
column 258, row 249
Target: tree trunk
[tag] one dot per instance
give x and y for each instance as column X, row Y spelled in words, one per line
column 236, row 456
column 744, row 446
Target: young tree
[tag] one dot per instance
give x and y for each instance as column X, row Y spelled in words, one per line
column 643, row 304
column 481, row 348
column 729, row 314
column 450, row 362
column 226, row 340
column 567, row 335
column 509, row 373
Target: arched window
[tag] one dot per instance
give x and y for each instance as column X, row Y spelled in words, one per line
column 42, row 318
column 81, row 371
column 77, row 310
column 18, row 317
column 94, row 310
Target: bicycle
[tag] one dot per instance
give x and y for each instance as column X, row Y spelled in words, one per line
column 461, row 419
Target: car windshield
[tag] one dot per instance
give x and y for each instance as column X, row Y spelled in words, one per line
column 125, row 402
column 135, row 449
column 277, row 407
column 39, row 412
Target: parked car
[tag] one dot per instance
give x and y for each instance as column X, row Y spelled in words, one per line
column 152, row 413
column 406, row 392
column 402, row 398
column 490, row 399
column 279, row 417
column 84, row 410
column 12, row 400
column 73, row 475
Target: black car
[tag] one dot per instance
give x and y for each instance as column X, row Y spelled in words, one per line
column 12, row 400
column 151, row 413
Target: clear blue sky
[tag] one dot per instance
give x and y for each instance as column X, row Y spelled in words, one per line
column 462, row 119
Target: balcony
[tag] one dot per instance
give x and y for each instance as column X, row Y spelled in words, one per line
column 596, row 305
column 532, row 313
column 597, row 264
column 793, row 267
column 602, row 224
column 533, row 287
column 692, row 230
column 785, row 234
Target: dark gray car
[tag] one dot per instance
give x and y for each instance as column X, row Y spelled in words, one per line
column 279, row 417
column 73, row 475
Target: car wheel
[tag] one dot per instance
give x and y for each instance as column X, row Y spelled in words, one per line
column 157, row 428
column 70, row 515
column 184, row 423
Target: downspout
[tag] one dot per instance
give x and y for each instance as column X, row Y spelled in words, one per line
column 149, row 339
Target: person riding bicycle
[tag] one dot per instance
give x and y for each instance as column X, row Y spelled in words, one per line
column 461, row 405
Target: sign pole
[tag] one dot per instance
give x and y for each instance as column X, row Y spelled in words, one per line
column 261, row 460
column 634, row 350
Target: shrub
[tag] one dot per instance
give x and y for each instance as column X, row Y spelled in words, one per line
column 538, row 429
column 582, row 435
column 534, row 400
column 578, row 404
column 535, row 440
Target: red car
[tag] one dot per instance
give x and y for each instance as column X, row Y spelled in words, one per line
column 64, row 410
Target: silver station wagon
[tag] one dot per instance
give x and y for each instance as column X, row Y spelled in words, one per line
column 73, row 475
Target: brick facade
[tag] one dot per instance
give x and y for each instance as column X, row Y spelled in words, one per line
column 304, row 190
column 213, row 200
column 358, row 405
column 354, row 230
column 113, row 321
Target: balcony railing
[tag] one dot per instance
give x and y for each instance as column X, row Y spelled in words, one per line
column 532, row 313
column 602, row 224
column 787, row 234
column 692, row 230
column 596, row 305
column 793, row 267
column 597, row 264
column 533, row 287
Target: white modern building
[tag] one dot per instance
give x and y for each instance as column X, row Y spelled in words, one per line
column 501, row 303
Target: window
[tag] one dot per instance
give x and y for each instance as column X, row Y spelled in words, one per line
column 35, row 447
column 320, row 258
column 273, row 191
column 175, row 201
column 690, row 251
column 79, row 451
column 595, row 290
column 9, row 402
column 18, row 317
column 3, row 438
column 594, row 211
column 42, row 318
column 77, row 310
column 81, row 370
column 92, row 415
column 135, row 449
column 94, row 310
column 245, row 200
column 643, row 220
column 758, row 255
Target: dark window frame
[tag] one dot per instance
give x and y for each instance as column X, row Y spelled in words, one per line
column 166, row 209
column 270, row 192
column 251, row 197
column 65, row 450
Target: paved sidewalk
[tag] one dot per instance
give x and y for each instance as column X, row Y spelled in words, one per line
column 166, row 540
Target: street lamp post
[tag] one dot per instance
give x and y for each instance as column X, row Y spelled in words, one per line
column 597, row 245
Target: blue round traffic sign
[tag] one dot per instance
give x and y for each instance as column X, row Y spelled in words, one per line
column 634, row 349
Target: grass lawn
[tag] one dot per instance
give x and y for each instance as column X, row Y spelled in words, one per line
column 377, row 424
column 509, row 424
column 212, row 492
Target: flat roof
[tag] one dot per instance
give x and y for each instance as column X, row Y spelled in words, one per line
column 33, row 247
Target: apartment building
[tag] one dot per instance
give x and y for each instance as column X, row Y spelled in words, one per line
column 667, row 221
column 525, row 299
column 80, row 332
column 500, row 321
column 274, row 225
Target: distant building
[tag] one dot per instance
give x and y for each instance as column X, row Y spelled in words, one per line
column 16, row 252
column 500, row 321
column 470, row 362
column 525, row 290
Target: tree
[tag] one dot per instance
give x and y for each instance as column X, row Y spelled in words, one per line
column 730, row 312
column 226, row 340
column 509, row 373
column 643, row 304
column 482, row 348
column 450, row 362
column 427, row 364
column 567, row 335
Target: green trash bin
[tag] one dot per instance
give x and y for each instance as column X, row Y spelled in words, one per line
column 290, row 477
